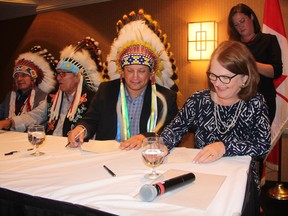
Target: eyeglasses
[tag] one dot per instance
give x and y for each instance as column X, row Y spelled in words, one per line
column 223, row 79
column 62, row 74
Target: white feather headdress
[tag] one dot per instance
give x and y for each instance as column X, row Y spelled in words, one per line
column 140, row 29
column 84, row 58
column 40, row 65
column 140, row 41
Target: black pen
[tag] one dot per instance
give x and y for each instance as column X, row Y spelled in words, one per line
column 10, row 153
column 109, row 171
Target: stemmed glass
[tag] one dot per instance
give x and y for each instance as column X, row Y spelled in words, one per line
column 153, row 154
column 36, row 136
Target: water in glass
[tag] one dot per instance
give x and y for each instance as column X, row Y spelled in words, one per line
column 153, row 154
column 36, row 136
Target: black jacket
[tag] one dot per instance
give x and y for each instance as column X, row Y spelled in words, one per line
column 101, row 118
column 68, row 125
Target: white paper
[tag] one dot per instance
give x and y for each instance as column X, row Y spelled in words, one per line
column 100, row 146
column 199, row 194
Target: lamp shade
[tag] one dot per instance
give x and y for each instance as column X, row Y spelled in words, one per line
column 202, row 40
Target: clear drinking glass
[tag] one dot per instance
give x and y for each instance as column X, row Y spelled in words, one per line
column 153, row 154
column 36, row 136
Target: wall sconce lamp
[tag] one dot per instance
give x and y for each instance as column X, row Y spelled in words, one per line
column 202, row 40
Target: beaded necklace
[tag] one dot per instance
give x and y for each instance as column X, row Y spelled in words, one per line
column 218, row 119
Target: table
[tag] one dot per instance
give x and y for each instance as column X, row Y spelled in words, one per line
column 77, row 177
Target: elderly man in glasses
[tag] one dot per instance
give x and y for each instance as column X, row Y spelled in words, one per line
column 78, row 77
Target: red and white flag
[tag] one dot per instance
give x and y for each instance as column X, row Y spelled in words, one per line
column 273, row 24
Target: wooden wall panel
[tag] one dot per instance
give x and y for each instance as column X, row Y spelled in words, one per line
column 55, row 30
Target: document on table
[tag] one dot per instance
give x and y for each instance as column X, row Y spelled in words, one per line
column 199, row 194
column 101, row 146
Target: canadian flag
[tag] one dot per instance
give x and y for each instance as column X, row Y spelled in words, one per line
column 273, row 24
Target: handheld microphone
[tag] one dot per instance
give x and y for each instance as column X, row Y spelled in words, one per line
column 149, row 192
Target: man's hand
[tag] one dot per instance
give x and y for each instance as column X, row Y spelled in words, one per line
column 134, row 142
column 76, row 137
column 6, row 124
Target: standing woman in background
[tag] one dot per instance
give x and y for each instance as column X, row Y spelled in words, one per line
column 244, row 26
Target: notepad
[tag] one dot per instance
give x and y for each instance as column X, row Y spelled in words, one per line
column 100, row 146
column 199, row 194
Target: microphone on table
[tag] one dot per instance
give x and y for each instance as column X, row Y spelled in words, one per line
column 149, row 192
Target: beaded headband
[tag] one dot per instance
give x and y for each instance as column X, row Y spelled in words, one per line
column 26, row 67
column 84, row 57
column 40, row 65
column 69, row 64
column 138, row 55
column 140, row 30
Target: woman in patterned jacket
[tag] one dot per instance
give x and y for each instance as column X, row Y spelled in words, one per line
column 230, row 118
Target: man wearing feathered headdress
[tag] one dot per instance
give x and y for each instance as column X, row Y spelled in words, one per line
column 133, row 103
column 78, row 76
column 33, row 78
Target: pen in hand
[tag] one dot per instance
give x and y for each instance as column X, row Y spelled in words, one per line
column 109, row 171
column 76, row 137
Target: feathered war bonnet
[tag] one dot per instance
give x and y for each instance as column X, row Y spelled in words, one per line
column 139, row 31
column 83, row 59
column 140, row 41
column 40, row 65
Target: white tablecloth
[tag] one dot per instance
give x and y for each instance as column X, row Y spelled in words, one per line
column 78, row 177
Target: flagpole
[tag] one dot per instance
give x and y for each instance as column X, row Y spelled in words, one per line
column 279, row 192
column 273, row 24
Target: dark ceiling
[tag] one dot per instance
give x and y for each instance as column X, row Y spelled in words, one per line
column 10, row 9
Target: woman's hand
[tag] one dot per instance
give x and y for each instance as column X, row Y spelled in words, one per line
column 210, row 153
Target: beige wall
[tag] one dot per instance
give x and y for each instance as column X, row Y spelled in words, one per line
column 55, row 30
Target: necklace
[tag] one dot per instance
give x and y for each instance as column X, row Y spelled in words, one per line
column 225, row 125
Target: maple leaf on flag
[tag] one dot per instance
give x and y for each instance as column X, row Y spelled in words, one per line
column 280, row 80
column 277, row 83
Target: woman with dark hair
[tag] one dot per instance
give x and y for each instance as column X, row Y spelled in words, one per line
column 244, row 26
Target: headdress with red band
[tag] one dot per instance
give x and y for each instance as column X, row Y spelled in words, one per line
column 40, row 65
column 140, row 37
column 140, row 41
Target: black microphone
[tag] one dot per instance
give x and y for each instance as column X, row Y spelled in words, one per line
column 149, row 192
